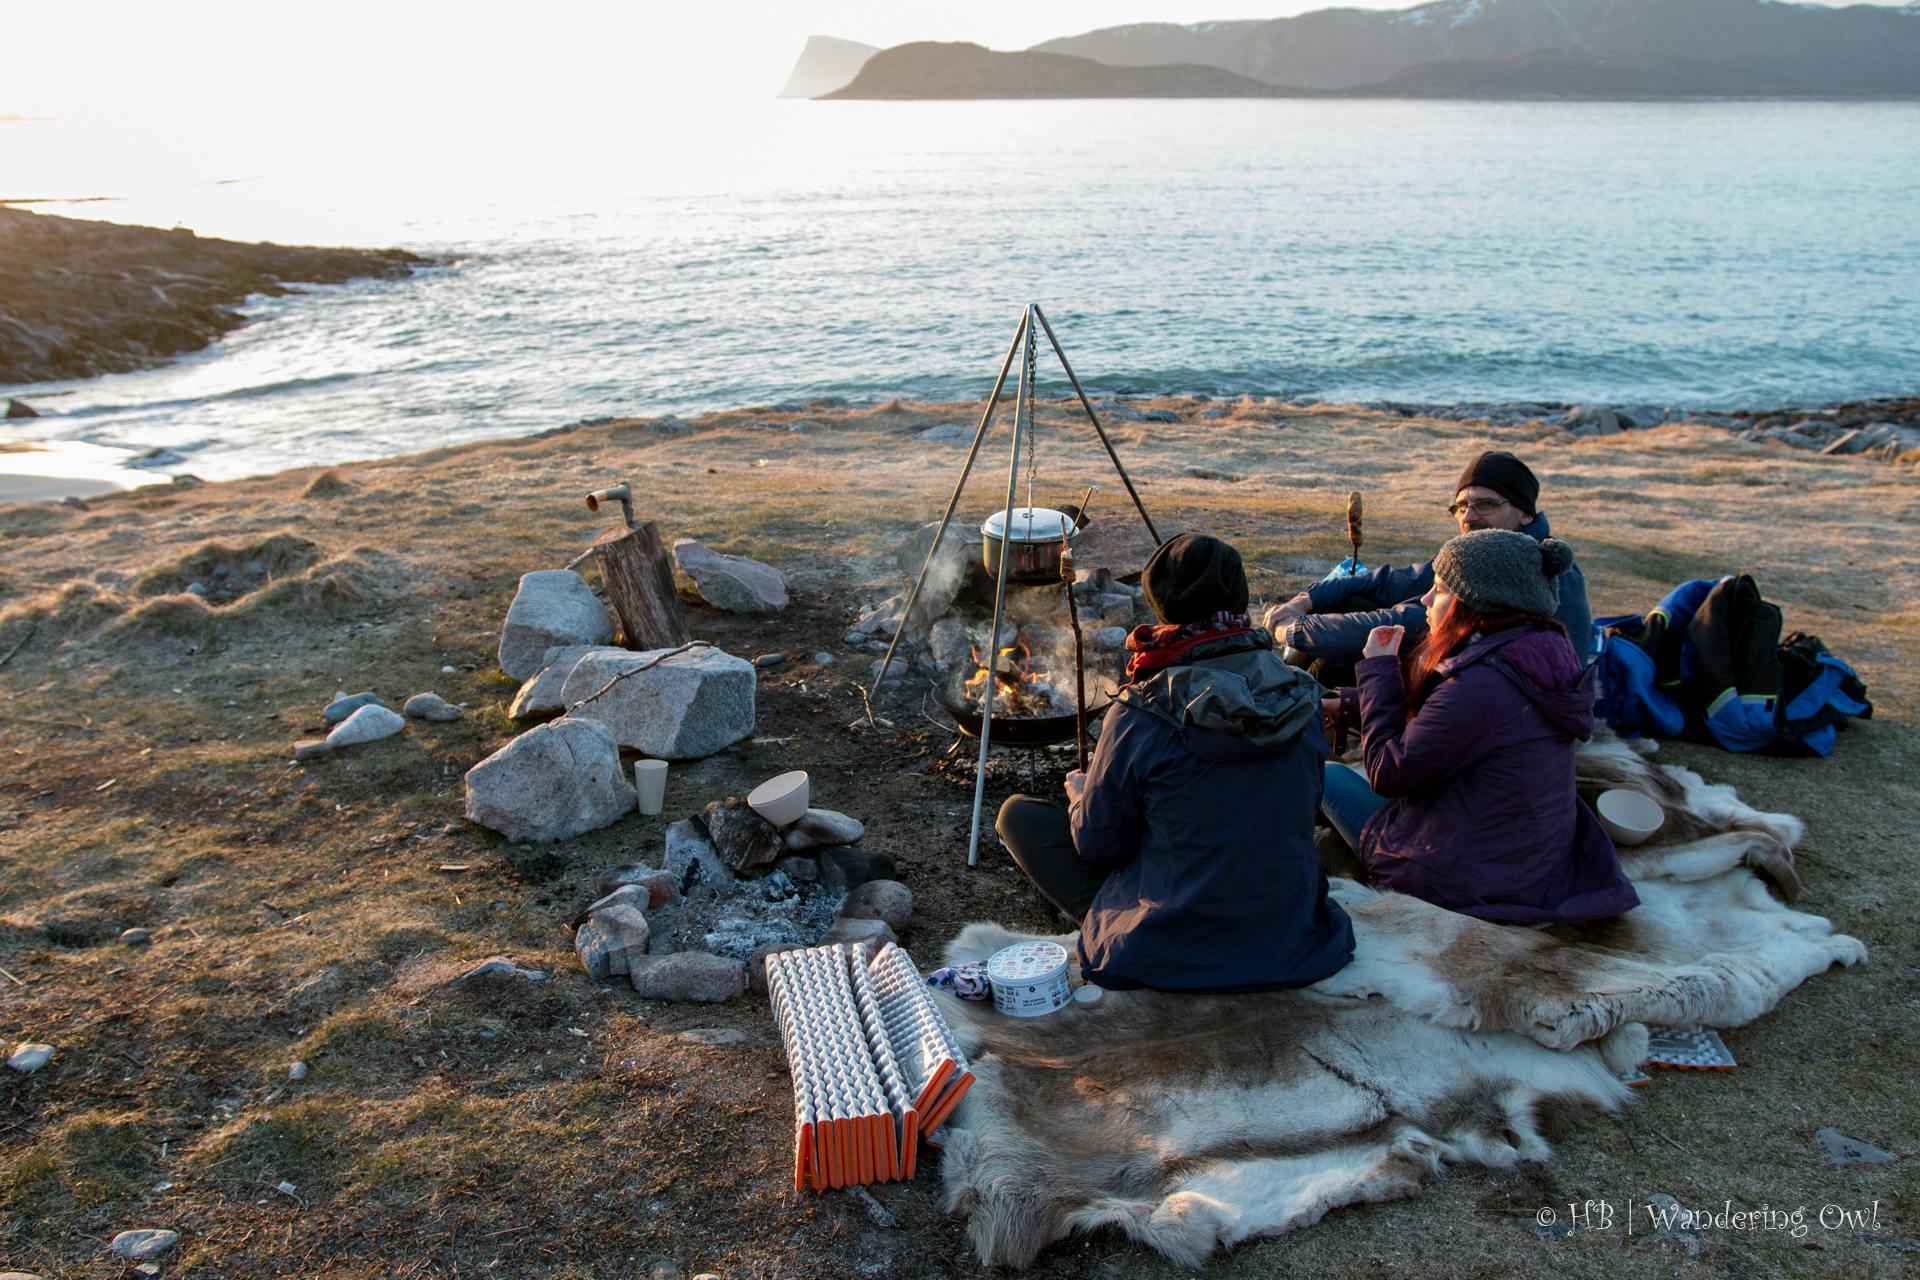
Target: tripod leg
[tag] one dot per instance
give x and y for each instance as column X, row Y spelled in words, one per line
column 1020, row 420
column 1098, row 429
column 946, row 517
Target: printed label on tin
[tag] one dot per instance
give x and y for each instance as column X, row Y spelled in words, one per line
column 1027, row 961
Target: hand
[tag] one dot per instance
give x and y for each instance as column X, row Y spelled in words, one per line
column 1330, row 708
column 1076, row 785
column 1384, row 642
column 1293, row 610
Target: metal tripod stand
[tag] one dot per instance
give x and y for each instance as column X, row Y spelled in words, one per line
column 1024, row 341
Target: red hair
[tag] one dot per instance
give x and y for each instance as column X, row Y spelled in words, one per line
column 1459, row 625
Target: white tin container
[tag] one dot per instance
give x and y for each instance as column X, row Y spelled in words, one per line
column 1029, row 979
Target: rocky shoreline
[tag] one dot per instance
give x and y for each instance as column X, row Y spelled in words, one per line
column 86, row 298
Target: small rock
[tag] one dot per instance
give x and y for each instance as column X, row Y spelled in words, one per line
column 1591, row 420
column 344, row 704
column 887, row 900
column 134, row 937
column 824, row 659
column 553, row 607
column 28, row 1058
column 877, row 1213
column 311, row 748
column 21, row 409
column 691, row 859
column 664, row 1269
column 1673, row 1225
column 745, row 841
column 801, row 868
column 551, row 782
column 662, row 886
column 1843, row 1150
column 1109, row 638
column 766, row 660
column 757, row 962
column 715, row 1036
column 369, row 724
column 72, row 502
column 818, row 828
column 733, row 583
column 298, row 1071
column 874, row 933
column 431, row 706
column 542, row 692
column 945, row 433
column 501, row 967
column 145, row 1242
column 845, row 868
column 608, row 941
column 698, row 976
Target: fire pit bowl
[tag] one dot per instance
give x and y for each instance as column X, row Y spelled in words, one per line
column 1017, row 731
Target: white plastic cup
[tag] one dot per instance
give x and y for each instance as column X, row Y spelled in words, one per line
column 650, row 780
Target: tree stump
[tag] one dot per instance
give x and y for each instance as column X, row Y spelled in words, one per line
column 639, row 581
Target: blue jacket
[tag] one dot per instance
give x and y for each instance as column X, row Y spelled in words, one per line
column 1391, row 595
column 1201, row 796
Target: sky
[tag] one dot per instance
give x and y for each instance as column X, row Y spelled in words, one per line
column 257, row 62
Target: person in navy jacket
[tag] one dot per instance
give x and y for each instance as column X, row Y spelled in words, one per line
column 1186, row 851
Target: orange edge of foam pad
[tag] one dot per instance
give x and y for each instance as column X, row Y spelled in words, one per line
column 816, row 1168
column 910, row 1144
column 869, row 1126
column 802, row 1146
column 934, row 1084
column 877, row 1144
column 948, row 1103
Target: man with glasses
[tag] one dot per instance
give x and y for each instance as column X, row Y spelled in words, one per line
column 1328, row 624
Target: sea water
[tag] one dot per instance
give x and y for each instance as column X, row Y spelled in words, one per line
column 1703, row 255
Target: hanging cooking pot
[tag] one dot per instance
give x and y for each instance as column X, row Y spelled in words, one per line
column 1032, row 541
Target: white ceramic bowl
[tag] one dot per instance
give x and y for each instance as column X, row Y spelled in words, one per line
column 782, row 800
column 1629, row 816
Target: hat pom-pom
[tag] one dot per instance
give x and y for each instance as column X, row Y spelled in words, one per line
column 1556, row 557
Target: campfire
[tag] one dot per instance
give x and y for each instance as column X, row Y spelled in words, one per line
column 1021, row 689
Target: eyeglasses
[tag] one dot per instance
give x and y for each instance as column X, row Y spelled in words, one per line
column 1479, row 506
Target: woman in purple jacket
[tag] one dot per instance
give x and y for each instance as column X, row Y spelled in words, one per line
column 1469, row 800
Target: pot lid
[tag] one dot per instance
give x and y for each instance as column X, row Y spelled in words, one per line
column 1030, row 524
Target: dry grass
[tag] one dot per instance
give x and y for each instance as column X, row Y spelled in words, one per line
column 561, row 1130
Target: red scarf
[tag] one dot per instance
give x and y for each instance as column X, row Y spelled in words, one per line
column 1165, row 645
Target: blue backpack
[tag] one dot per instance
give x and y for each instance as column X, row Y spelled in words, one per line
column 1707, row 663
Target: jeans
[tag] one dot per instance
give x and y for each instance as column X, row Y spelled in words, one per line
column 1348, row 802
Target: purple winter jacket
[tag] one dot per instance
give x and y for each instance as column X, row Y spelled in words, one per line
column 1481, row 814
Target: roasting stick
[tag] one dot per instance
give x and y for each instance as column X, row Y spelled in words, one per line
column 1079, row 649
column 1353, row 528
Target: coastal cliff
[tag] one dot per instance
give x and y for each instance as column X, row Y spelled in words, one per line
column 85, row 298
column 933, row 69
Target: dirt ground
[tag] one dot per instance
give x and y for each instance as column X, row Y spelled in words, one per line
column 303, row 912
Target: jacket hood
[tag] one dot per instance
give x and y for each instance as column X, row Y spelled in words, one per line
column 1543, row 666
column 1234, row 701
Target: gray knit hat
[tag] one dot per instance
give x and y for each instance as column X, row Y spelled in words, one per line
column 1499, row 571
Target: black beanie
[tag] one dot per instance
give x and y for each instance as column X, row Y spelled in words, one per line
column 1192, row 577
column 1506, row 475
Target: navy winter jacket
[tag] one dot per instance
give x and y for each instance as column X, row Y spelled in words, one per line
column 1391, row 595
column 1201, row 797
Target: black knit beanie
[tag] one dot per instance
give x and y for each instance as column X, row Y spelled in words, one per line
column 1192, row 577
column 1506, row 475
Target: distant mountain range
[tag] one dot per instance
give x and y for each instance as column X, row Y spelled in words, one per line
column 1449, row 48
